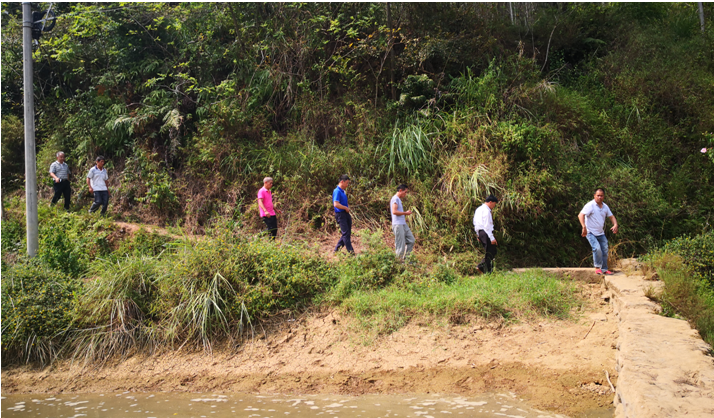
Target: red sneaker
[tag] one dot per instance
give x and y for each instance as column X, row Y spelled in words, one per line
column 609, row 273
column 598, row 271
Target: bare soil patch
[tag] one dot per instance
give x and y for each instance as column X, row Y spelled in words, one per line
column 554, row 365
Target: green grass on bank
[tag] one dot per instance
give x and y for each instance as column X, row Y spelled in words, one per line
column 503, row 295
column 92, row 293
column 686, row 266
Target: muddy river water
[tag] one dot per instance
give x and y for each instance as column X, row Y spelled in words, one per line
column 211, row 405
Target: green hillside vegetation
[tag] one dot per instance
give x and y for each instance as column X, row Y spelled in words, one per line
column 194, row 103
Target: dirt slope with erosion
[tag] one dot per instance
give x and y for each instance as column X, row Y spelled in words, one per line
column 554, row 365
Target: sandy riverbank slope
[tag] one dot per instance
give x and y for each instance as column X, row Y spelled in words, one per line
column 555, row 365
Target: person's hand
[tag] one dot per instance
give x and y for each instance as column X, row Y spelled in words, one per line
column 584, row 233
column 494, row 242
column 57, row 179
column 408, row 212
column 614, row 229
column 279, row 211
column 91, row 190
column 347, row 210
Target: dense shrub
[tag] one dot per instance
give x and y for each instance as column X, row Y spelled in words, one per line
column 36, row 311
column 697, row 254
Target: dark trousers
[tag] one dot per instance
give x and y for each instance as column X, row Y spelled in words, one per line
column 486, row 264
column 344, row 219
column 101, row 198
column 62, row 189
column 271, row 226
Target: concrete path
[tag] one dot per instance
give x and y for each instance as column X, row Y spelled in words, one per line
column 663, row 366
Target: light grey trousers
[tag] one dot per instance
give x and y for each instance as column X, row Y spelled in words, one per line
column 403, row 237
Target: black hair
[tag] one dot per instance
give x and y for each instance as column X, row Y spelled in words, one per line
column 600, row 189
column 100, row 158
column 344, row 177
column 491, row 198
column 402, row 187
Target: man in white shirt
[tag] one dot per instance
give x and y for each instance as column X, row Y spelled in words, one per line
column 96, row 180
column 592, row 219
column 403, row 237
column 483, row 225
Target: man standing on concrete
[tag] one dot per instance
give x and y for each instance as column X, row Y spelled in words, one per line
column 342, row 214
column 483, row 225
column 96, row 180
column 592, row 219
column 59, row 170
column 403, row 236
column 266, row 209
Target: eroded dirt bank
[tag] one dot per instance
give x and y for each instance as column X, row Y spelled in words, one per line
column 555, row 365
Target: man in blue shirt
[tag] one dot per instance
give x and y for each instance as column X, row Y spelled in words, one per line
column 342, row 214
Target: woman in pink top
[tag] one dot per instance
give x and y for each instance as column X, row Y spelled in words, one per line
column 265, row 206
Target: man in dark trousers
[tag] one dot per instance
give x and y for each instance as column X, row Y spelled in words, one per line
column 97, row 182
column 266, row 209
column 342, row 214
column 483, row 225
column 59, row 170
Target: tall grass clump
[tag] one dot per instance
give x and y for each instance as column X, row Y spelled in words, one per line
column 410, row 149
column 686, row 266
column 197, row 292
column 508, row 296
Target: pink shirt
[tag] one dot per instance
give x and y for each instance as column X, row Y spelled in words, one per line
column 267, row 197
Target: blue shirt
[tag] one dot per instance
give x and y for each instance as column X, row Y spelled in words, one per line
column 339, row 195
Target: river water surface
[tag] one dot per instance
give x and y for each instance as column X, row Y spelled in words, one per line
column 205, row 405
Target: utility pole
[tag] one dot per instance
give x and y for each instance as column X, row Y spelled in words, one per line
column 30, row 158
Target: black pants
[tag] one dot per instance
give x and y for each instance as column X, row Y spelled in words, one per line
column 101, row 198
column 62, row 189
column 344, row 219
column 271, row 225
column 486, row 264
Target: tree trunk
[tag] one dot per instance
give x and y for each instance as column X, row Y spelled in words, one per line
column 701, row 15
column 391, row 52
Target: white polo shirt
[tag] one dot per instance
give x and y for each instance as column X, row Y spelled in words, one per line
column 595, row 217
column 97, row 178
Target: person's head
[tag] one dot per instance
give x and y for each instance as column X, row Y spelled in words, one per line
column 268, row 182
column 599, row 195
column 491, row 201
column 100, row 162
column 344, row 181
column 402, row 190
column 60, row 156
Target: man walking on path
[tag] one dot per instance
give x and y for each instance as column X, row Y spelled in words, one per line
column 483, row 225
column 402, row 234
column 96, row 180
column 265, row 206
column 592, row 219
column 59, row 170
column 342, row 214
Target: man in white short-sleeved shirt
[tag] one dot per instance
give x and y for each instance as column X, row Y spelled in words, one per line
column 592, row 218
column 97, row 182
column 483, row 225
column 403, row 237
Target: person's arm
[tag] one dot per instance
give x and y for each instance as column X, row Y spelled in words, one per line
column 89, row 183
column 615, row 227
column 339, row 205
column 54, row 176
column 489, row 222
column 260, row 203
column 396, row 212
column 581, row 218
